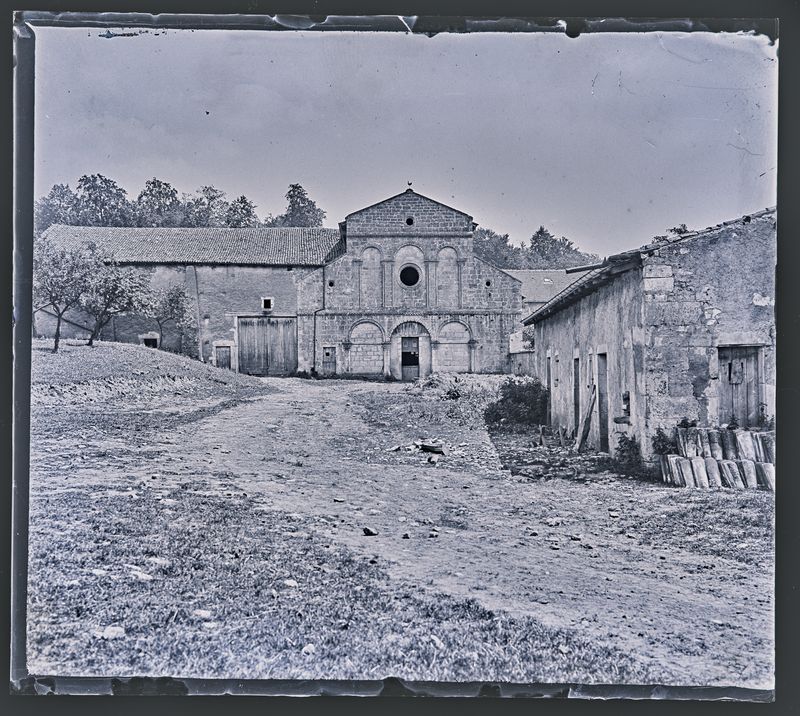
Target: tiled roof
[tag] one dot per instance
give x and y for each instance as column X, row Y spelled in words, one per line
column 616, row 264
column 540, row 285
column 251, row 246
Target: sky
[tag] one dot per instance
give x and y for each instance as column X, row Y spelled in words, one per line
column 607, row 139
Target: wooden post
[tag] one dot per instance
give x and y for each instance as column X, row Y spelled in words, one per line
column 674, row 470
column 747, row 469
column 699, row 472
column 712, row 470
column 685, row 467
column 586, row 423
column 714, row 444
column 765, row 472
column 729, row 444
column 744, row 445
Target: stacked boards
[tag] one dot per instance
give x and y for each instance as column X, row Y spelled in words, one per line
column 709, row 457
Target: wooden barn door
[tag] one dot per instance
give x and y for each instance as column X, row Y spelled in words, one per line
column 602, row 400
column 223, row 356
column 739, row 390
column 267, row 346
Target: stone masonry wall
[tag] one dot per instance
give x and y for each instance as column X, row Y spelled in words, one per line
column 609, row 321
column 715, row 289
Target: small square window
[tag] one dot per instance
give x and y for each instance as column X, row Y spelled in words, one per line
column 266, row 303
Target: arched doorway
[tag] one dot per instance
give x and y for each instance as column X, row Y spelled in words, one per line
column 410, row 351
column 366, row 349
column 453, row 350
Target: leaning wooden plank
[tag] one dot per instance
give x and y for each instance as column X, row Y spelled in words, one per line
column 744, row 445
column 730, row 474
column 692, row 443
column 712, row 470
column 680, row 438
column 765, row 472
column 728, row 444
column 586, row 424
column 685, row 466
column 747, row 469
column 663, row 465
column 714, row 444
column 759, row 447
column 704, row 445
column 768, row 440
column 543, row 442
column 699, row 472
column 674, row 470
column 561, row 433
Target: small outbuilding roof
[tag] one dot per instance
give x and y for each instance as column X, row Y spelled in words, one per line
column 285, row 246
column 540, row 285
column 605, row 271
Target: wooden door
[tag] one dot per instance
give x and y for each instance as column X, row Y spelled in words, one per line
column 223, row 357
column 329, row 360
column 739, row 387
column 409, row 358
column 576, row 393
column 267, row 346
column 602, row 400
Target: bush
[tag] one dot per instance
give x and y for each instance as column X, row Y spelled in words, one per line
column 521, row 401
column 664, row 444
column 628, row 456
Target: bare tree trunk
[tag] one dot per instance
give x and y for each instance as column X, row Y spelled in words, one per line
column 160, row 336
column 58, row 333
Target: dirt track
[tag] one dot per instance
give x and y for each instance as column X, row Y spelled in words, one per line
column 566, row 552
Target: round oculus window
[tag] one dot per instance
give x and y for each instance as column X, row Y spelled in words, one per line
column 409, row 276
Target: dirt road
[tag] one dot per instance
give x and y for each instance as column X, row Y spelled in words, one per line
column 575, row 555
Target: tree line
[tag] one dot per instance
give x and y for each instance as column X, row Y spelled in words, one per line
column 100, row 201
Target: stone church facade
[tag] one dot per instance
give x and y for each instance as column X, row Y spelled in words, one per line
column 395, row 291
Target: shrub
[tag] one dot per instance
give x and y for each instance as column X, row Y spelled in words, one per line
column 628, row 456
column 664, row 444
column 521, row 401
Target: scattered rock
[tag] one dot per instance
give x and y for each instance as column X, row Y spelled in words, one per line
column 406, row 535
column 338, row 499
column 202, row 613
column 369, row 532
column 110, row 632
column 309, row 649
column 436, row 640
column 433, row 533
column 290, row 583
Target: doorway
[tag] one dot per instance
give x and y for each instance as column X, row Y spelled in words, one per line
column 602, row 400
column 267, row 345
column 328, row 360
column 739, row 387
column 223, row 356
column 576, row 394
column 409, row 358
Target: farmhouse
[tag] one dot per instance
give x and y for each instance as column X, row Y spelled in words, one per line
column 396, row 291
column 683, row 327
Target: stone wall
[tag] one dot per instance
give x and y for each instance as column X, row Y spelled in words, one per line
column 715, row 289
column 607, row 321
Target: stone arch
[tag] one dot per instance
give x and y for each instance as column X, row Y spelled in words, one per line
column 366, row 348
column 452, row 352
column 410, row 329
column 370, row 282
column 410, row 351
column 447, row 277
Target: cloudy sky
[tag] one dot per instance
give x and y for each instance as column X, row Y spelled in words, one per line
column 607, row 139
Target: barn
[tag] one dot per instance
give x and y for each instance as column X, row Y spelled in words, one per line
column 395, row 291
column 682, row 328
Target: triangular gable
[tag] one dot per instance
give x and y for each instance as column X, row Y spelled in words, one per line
column 405, row 195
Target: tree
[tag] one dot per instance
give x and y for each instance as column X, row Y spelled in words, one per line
column 61, row 277
column 112, row 289
column 60, row 206
column 208, row 207
column 497, row 249
column 102, row 202
column 545, row 251
column 158, row 205
column 169, row 304
column 241, row 212
column 301, row 211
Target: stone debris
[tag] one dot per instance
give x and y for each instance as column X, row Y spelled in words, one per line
column 369, row 532
column 110, row 632
column 309, row 649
